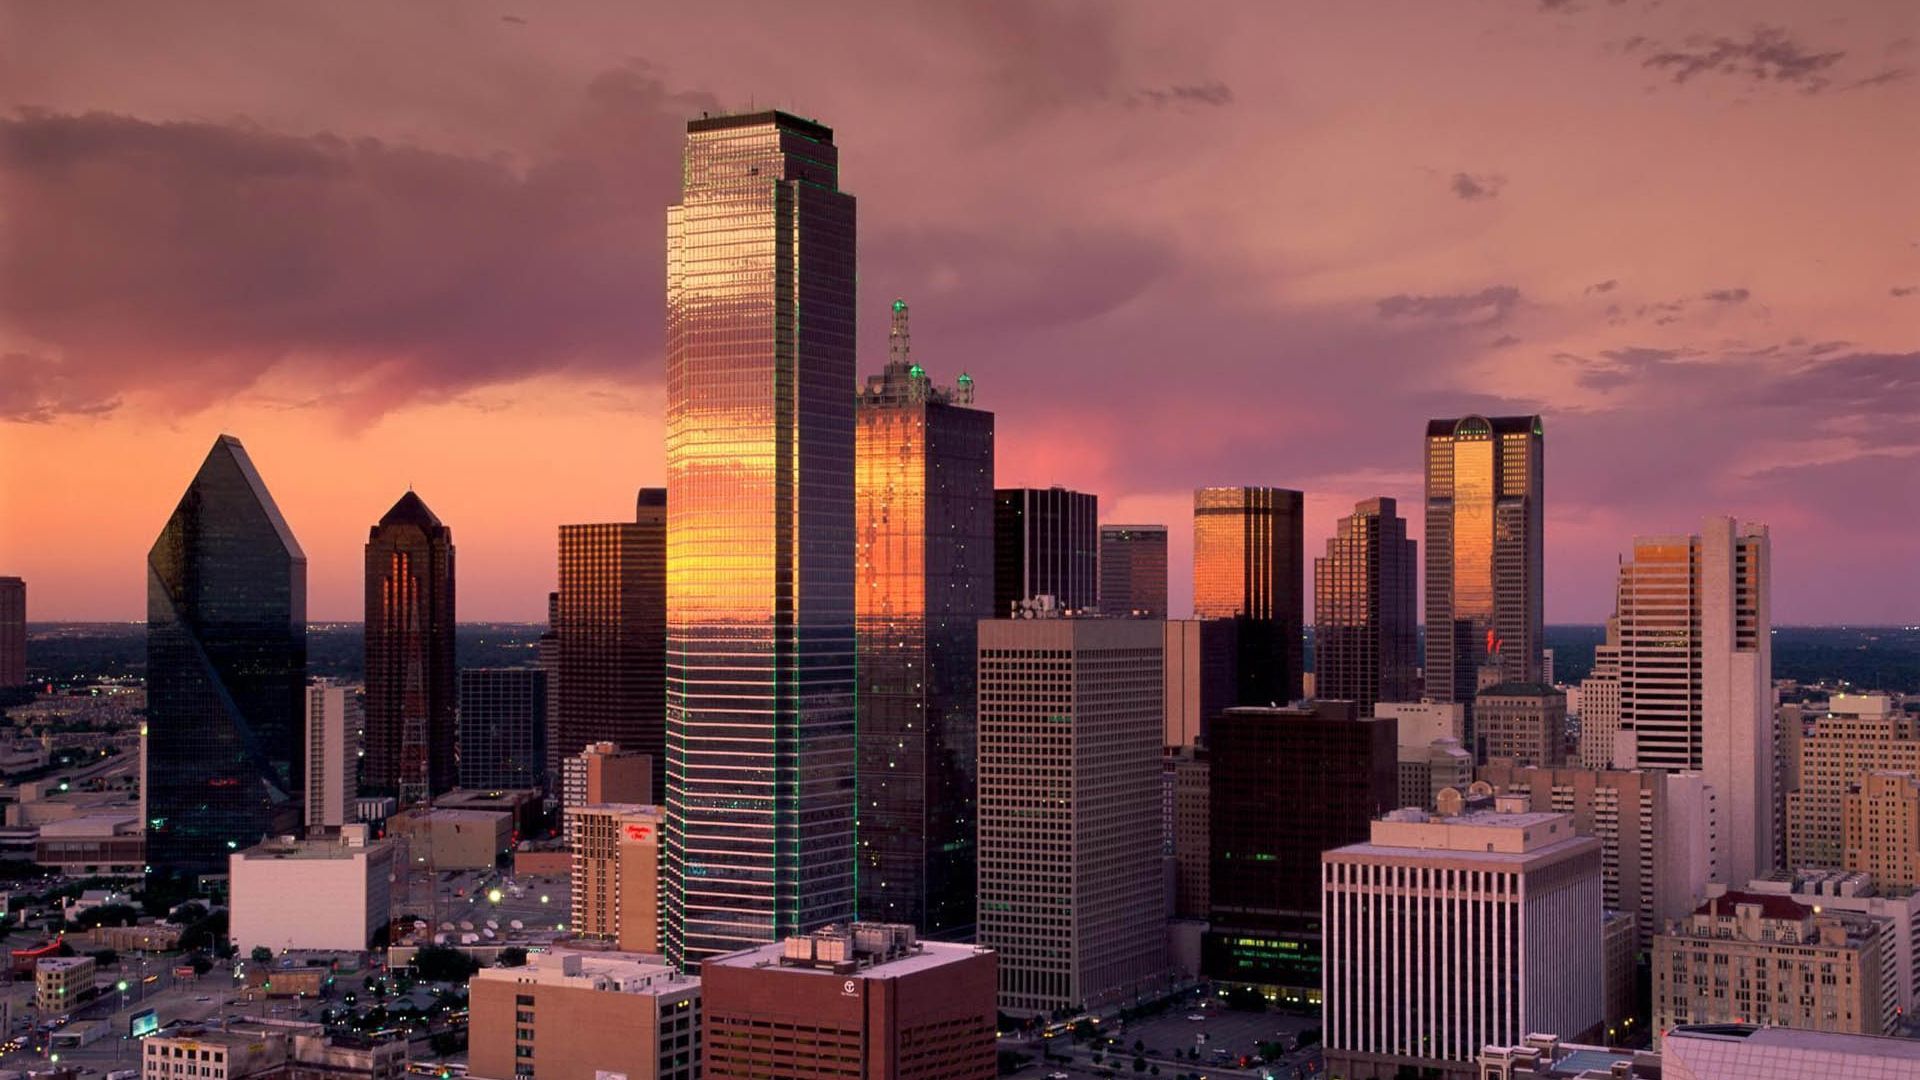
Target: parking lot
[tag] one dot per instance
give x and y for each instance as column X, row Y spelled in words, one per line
column 1167, row 1039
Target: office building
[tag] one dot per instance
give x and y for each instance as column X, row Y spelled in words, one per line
column 1201, row 658
column 1766, row 959
column 865, row 1001
column 1840, row 890
column 1286, row 784
column 568, row 1015
column 109, row 843
column 1421, row 723
column 1072, row 897
column 1620, row 969
column 1366, row 642
column 1485, row 554
column 1854, row 736
column 13, row 632
column 547, row 658
column 269, row 1050
column 1449, row 933
column 61, row 984
column 1133, row 571
column 1696, row 675
column 604, row 773
column 1599, row 696
column 923, row 515
column 616, row 875
column 275, row 885
column 503, row 728
column 1248, row 566
column 760, row 537
column 1187, row 811
column 333, row 755
column 611, row 632
column 409, row 655
column 1524, row 723
column 454, row 839
column 1046, row 542
column 226, row 670
column 1654, row 828
column 1426, row 771
column 1881, row 828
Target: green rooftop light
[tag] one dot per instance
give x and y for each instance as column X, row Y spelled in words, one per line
column 917, row 372
column 899, row 305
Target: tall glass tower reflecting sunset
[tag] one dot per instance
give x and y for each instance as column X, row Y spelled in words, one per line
column 1484, row 553
column 760, row 536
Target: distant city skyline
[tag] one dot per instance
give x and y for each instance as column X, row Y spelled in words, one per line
column 421, row 304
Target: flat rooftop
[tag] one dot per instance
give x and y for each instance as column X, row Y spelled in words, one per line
column 927, row 956
column 1828, row 1042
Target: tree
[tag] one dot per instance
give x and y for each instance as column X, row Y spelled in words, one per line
column 1139, row 1046
column 105, row 957
column 1012, row 1061
column 188, row 913
column 1246, row 998
column 107, row 915
column 513, row 956
column 261, row 955
column 439, row 963
column 1084, row 1030
column 201, row 965
column 1139, row 1064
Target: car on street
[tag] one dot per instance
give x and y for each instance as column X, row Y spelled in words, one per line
column 1195, row 1016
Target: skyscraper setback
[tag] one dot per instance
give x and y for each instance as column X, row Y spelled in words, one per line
column 1484, row 552
column 611, row 634
column 760, row 536
column 226, row 670
column 1247, row 565
column 410, row 694
column 1366, row 637
column 1046, row 542
column 924, row 521
column 1133, row 571
column 1696, row 675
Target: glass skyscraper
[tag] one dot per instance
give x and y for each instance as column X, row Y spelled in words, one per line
column 924, row 529
column 409, row 650
column 503, row 728
column 1248, row 565
column 1133, row 571
column 1046, row 542
column 1484, row 553
column 609, row 623
column 226, row 670
column 1366, row 641
column 760, row 537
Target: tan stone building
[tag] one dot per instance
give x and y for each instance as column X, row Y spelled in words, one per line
column 576, row 1016
column 1881, row 828
column 1858, row 735
column 1765, row 959
column 1426, row 771
column 1653, row 827
column 1185, row 774
column 1525, row 723
column 616, row 875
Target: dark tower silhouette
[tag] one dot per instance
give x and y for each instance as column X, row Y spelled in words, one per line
column 226, row 670
column 411, row 694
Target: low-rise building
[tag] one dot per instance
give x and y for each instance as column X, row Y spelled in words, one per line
column 1768, row 959
column 1425, row 771
column 269, row 1050
column 1522, row 723
column 107, row 843
column 62, row 984
column 274, row 888
column 578, row 1016
column 1881, row 828
column 865, row 1001
column 1549, row 1057
column 1746, row 1052
column 453, row 839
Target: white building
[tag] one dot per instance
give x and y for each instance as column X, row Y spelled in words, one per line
column 330, row 893
column 1598, row 703
column 334, row 728
column 1446, row 934
column 1696, row 676
column 1072, row 896
column 1423, row 723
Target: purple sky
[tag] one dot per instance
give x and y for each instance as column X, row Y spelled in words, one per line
column 1176, row 245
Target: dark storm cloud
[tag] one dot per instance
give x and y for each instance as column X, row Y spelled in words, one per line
column 1206, row 93
column 1470, row 187
column 1726, row 296
column 215, row 252
column 1606, row 286
column 1766, row 54
column 36, row 390
column 1489, row 305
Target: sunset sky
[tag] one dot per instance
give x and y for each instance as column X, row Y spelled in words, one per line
column 1175, row 244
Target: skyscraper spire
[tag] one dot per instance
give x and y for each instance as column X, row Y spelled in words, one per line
column 899, row 343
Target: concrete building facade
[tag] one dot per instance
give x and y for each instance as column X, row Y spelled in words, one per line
column 1524, row 723
column 273, row 886
column 1070, row 729
column 333, row 755
column 1446, row 934
column 616, row 875
column 583, row 1016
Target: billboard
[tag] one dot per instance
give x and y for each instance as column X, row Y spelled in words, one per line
column 143, row 1023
